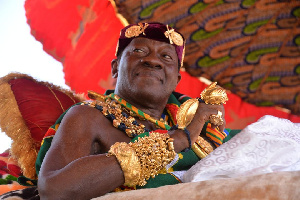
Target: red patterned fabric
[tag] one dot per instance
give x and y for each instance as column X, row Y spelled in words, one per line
column 172, row 110
column 50, row 132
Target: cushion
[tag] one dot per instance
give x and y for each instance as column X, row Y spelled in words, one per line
column 27, row 109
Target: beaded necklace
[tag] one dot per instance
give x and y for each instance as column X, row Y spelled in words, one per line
column 139, row 113
column 120, row 113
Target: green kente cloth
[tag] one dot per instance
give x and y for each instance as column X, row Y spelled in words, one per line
column 182, row 162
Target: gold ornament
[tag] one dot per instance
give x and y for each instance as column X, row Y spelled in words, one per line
column 174, row 37
column 144, row 158
column 154, row 152
column 186, row 112
column 216, row 119
column 96, row 96
column 117, row 47
column 214, row 94
column 202, row 147
column 198, row 151
column 128, row 161
column 205, row 145
column 110, row 107
column 182, row 57
column 136, row 30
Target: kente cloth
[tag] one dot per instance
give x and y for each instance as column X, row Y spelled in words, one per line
column 174, row 171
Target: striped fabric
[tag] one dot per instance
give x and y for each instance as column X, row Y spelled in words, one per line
column 215, row 135
column 139, row 112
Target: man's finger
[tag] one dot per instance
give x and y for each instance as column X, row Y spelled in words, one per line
column 222, row 127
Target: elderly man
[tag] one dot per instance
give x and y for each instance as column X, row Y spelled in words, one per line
column 124, row 140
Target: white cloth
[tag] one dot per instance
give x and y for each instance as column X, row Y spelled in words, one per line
column 271, row 144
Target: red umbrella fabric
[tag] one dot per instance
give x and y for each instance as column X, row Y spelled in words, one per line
column 82, row 34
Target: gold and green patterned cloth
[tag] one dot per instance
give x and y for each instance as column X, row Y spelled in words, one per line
column 183, row 160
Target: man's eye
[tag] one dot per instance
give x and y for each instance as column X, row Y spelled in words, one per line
column 138, row 50
column 167, row 56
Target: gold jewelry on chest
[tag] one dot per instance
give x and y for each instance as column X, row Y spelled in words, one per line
column 122, row 114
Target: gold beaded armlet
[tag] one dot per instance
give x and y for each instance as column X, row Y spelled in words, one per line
column 144, row 158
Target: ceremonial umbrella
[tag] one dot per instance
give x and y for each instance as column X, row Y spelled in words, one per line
column 249, row 47
column 82, row 34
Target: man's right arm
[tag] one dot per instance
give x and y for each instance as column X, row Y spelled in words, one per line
column 69, row 170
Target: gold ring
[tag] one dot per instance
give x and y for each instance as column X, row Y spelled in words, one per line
column 216, row 119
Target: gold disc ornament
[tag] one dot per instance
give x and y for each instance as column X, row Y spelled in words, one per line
column 186, row 113
column 212, row 94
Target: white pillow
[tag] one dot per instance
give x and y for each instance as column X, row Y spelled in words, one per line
column 268, row 145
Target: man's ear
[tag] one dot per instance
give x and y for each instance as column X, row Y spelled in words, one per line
column 114, row 68
column 179, row 78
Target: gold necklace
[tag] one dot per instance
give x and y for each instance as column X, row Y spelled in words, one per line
column 137, row 112
column 119, row 116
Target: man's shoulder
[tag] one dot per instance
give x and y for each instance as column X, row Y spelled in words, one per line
column 83, row 114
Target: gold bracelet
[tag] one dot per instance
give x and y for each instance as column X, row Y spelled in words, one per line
column 143, row 158
column 202, row 147
column 155, row 152
column 129, row 162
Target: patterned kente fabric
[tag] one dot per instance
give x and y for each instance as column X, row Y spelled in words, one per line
column 183, row 160
column 249, row 47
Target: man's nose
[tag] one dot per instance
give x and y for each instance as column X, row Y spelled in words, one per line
column 151, row 60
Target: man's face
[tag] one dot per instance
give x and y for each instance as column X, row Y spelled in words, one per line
column 146, row 66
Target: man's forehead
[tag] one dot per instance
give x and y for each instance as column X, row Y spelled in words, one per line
column 145, row 41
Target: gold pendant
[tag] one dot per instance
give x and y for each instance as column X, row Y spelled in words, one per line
column 214, row 94
column 174, row 37
column 186, row 112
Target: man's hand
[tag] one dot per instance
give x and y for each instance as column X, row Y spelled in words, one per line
column 202, row 115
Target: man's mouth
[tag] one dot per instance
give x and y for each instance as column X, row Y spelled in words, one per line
column 149, row 74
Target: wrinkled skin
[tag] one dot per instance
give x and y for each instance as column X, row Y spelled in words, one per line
column 76, row 165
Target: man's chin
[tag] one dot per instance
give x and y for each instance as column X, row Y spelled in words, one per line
column 152, row 89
